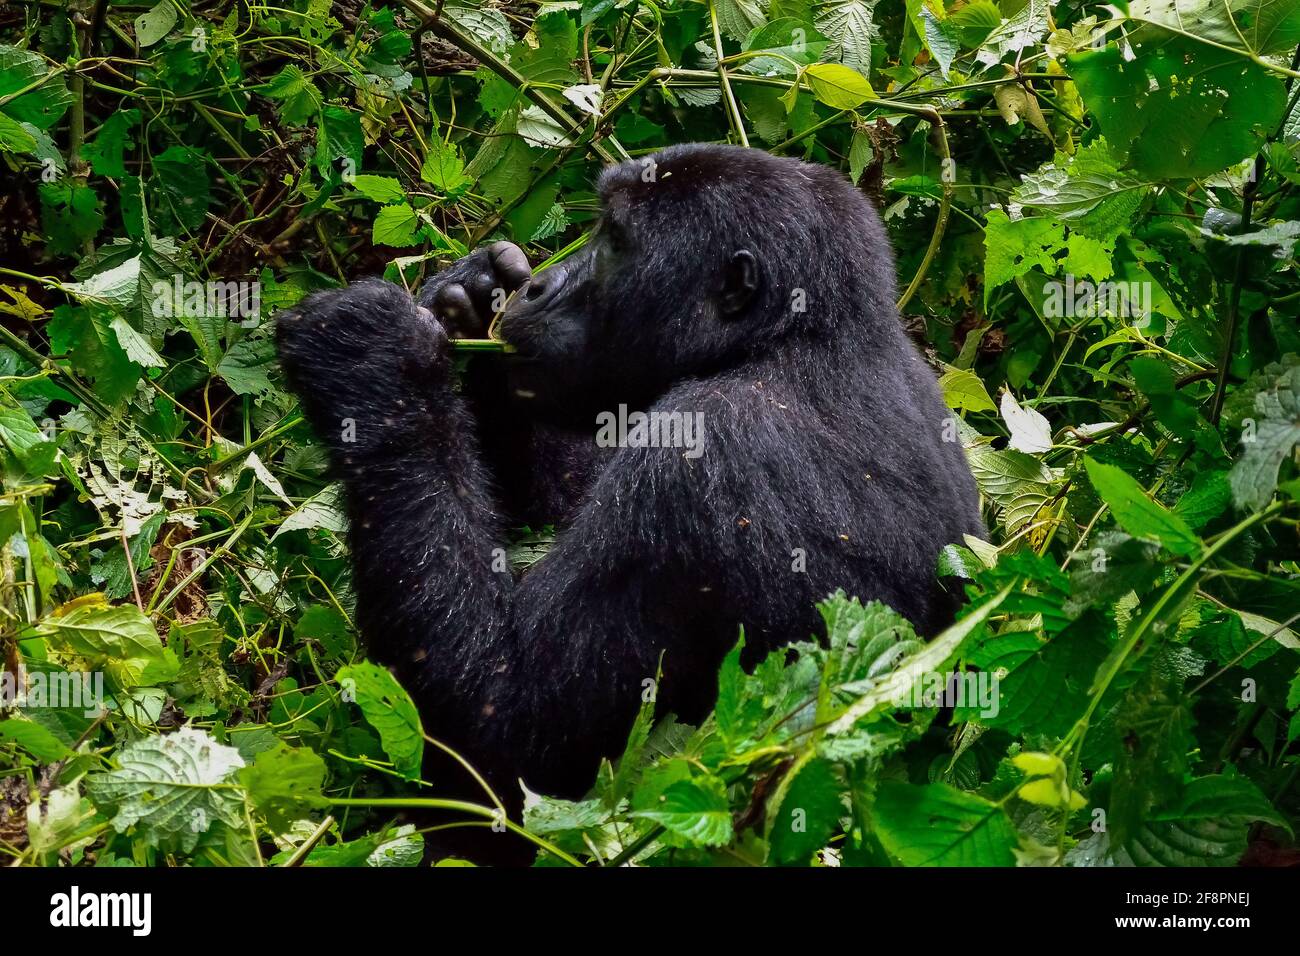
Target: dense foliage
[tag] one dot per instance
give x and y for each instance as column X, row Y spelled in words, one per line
column 1095, row 211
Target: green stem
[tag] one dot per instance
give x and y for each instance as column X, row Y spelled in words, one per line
column 733, row 108
column 431, row 803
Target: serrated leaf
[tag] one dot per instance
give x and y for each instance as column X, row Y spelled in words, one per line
column 396, row 226
column 382, row 189
column 849, row 26
column 171, row 788
column 1178, row 108
column 695, row 809
column 323, row 510
column 284, row 783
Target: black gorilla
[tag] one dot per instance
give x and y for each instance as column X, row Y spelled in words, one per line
column 751, row 294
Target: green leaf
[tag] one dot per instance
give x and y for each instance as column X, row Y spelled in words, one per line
column 444, row 169
column 850, row 27
column 695, row 809
column 34, row 738
column 898, row 684
column 839, row 87
column 942, row 39
column 1027, row 27
column 322, row 510
column 105, row 152
column 285, row 783
column 154, row 25
column 246, row 366
column 406, row 848
column 1206, row 827
column 338, row 137
column 382, row 189
column 1179, row 109
column 387, row 708
column 1013, row 247
column 1136, row 513
column 20, row 435
column 396, row 226
column 120, row 640
column 938, row 825
column 738, row 18
column 804, row 813
column 1044, row 691
column 1153, row 742
column 40, row 93
column 1018, row 483
column 1088, row 191
column 788, row 36
column 299, row 98
column 172, row 789
column 1252, row 27
column 71, row 214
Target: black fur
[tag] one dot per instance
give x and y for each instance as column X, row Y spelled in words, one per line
column 823, row 434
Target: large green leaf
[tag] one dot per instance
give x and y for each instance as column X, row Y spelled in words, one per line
column 40, row 94
column 695, row 809
column 1206, row 827
column 171, row 788
column 284, row 783
column 1253, row 27
column 1088, row 191
column 939, row 825
column 804, row 813
column 120, row 640
column 1138, row 514
column 1178, row 108
column 387, row 708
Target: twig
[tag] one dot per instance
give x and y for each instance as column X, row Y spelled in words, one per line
column 309, row 844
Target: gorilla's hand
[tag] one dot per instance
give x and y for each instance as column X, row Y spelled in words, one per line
column 364, row 354
column 465, row 296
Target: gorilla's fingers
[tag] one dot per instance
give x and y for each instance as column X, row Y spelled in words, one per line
column 482, row 289
column 452, row 306
column 510, row 264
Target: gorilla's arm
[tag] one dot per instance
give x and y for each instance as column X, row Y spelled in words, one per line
column 516, row 676
column 374, row 380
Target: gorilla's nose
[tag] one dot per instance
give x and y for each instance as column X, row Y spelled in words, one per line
column 536, row 288
column 542, row 286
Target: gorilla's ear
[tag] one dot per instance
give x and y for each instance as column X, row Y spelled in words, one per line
column 740, row 283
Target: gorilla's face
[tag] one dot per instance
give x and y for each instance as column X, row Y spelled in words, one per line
column 665, row 287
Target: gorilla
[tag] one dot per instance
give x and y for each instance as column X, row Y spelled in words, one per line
column 741, row 302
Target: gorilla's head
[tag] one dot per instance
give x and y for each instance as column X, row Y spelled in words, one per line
column 703, row 257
